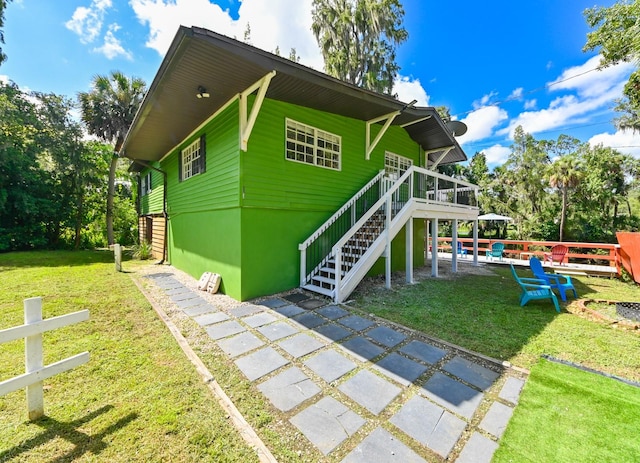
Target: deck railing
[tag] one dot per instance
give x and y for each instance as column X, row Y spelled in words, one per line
column 415, row 183
column 579, row 252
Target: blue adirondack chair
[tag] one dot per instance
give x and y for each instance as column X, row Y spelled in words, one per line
column 533, row 289
column 553, row 279
column 496, row 250
column 461, row 251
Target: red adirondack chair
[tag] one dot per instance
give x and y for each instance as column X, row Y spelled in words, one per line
column 557, row 254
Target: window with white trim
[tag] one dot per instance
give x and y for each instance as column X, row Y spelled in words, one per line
column 312, row 146
column 192, row 159
column 145, row 184
column 395, row 165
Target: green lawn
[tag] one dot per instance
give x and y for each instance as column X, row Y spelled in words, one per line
column 138, row 398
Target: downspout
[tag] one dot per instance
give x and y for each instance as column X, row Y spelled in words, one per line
column 164, row 204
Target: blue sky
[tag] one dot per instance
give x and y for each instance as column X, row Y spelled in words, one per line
column 496, row 64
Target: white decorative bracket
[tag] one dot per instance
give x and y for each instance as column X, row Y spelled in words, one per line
column 435, row 164
column 370, row 145
column 247, row 121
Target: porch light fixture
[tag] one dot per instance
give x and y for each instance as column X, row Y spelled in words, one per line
column 202, row 92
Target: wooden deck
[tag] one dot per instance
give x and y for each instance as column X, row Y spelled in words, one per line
column 567, row 269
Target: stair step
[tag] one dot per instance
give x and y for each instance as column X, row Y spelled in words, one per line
column 319, row 290
column 330, row 281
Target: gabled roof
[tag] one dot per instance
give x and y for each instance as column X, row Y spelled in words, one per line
column 197, row 57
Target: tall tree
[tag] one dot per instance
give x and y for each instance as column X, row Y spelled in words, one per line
column 617, row 36
column 565, row 176
column 358, row 39
column 108, row 111
column 3, row 6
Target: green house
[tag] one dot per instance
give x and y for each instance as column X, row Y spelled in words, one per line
column 274, row 175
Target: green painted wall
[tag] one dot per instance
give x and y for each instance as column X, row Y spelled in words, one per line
column 151, row 203
column 245, row 216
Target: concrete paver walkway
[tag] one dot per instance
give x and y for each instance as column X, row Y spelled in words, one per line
column 351, row 381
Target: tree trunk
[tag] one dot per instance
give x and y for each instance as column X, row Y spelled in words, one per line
column 79, row 213
column 110, row 195
column 563, row 214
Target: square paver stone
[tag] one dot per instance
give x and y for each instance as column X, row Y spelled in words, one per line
column 160, row 275
column 296, row 297
column 327, row 423
column 184, row 296
column 260, row 319
column 260, row 363
column 400, row 368
column 330, row 365
column 478, row 449
column 222, row 330
column 178, row 290
column 272, row 303
column 278, row 330
column 289, row 389
column 240, row 344
column 370, row 391
column 211, row 318
column 496, row 419
column 300, row 345
column 310, row 304
column 512, row 389
column 356, row 322
column 429, row 424
column 289, row 310
column 452, row 394
column 244, row 310
column 199, row 310
column 185, row 304
column 333, row 331
column 332, row 312
column 381, row 446
column 362, row 348
column 386, row 336
column 471, row 372
column 423, row 351
column 309, row 320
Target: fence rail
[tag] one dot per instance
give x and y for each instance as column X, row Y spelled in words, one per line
column 36, row 372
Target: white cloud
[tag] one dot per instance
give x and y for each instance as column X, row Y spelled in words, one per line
column 586, row 93
column 87, row 22
column 497, row 154
column 484, row 101
column 481, row 123
column 531, row 104
column 112, row 46
column 409, row 90
column 4, row 79
column 285, row 24
column 625, row 141
column 516, row 94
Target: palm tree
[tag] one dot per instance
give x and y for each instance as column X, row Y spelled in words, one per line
column 108, row 111
column 565, row 175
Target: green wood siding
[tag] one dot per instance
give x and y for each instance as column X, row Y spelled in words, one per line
column 245, row 216
column 151, row 203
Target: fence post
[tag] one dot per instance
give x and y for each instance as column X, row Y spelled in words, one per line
column 117, row 253
column 33, row 357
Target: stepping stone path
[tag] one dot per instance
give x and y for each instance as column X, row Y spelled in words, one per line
column 334, row 372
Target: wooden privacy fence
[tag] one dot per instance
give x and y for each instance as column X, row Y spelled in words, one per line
column 36, row 372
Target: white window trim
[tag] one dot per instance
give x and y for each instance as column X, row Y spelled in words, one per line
column 317, row 134
column 189, row 160
column 145, row 184
column 402, row 164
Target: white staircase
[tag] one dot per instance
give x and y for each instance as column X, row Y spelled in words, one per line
column 360, row 232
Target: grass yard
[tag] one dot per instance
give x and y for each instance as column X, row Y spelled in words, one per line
column 138, row 398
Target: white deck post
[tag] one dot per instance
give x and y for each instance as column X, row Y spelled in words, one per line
column 434, row 248
column 33, row 357
column 454, row 246
column 475, row 242
column 387, row 227
column 409, row 251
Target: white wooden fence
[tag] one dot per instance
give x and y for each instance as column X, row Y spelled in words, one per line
column 35, row 371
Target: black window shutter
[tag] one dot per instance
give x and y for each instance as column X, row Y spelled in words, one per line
column 180, row 166
column 203, row 153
